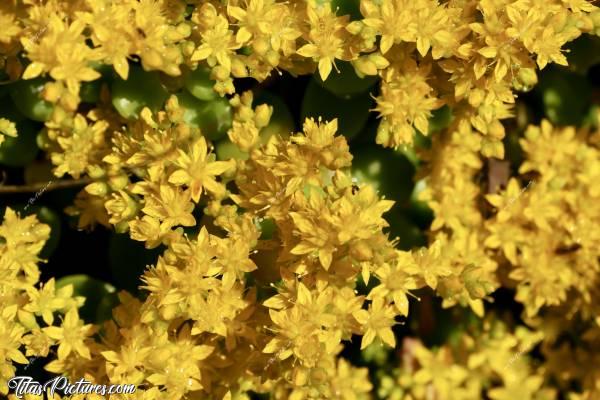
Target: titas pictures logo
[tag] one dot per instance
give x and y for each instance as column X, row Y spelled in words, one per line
column 26, row 385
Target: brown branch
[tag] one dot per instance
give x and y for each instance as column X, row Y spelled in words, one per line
column 498, row 175
column 44, row 187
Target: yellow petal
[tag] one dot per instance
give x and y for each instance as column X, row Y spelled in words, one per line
column 33, row 70
column 201, row 53
column 121, row 65
column 272, row 346
column 367, row 339
column 387, row 336
column 488, row 52
column 17, row 356
column 401, row 302
column 54, row 332
column 304, row 296
column 64, row 349
column 179, row 177
column 308, row 50
column 325, row 257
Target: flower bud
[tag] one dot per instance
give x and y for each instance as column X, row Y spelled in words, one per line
column 526, row 79
column 354, row 27
column 238, row 69
column 99, row 189
column 220, row 73
column 96, row 172
column 151, row 59
column 118, row 182
column 262, row 115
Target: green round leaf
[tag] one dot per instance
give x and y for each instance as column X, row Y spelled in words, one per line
column 282, row 120
column 100, row 297
column 26, row 94
column 566, row 96
column 128, row 260
column 352, row 114
column 439, row 120
column 141, row 89
column 199, row 84
column 21, row 150
column 226, row 150
column 346, row 83
column 90, row 91
column 390, row 172
column 267, row 227
column 214, row 118
column 347, row 7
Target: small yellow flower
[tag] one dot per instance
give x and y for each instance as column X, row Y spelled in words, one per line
column 63, row 53
column 7, row 128
column 172, row 206
column 79, row 147
column 71, row 335
column 198, row 169
column 37, row 343
column 396, row 282
column 47, row 300
column 377, row 322
column 218, row 42
column 437, row 369
column 327, row 35
column 10, row 341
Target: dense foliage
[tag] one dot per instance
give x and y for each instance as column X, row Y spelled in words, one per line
column 411, row 230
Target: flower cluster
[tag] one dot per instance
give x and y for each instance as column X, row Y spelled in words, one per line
column 28, row 307
column 487, row 360
column 471, row 55
column 558, row 213
column 270, row 263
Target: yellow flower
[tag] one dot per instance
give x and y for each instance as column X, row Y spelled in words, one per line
column 377, row 322
column 406, row 99
column 18, row 263
column 350, row 382
column 37, row 343
column 71, row 335
column 203, row 329
column 111, row 32
column 327, row 36
column 437, row 369
column 10, row 26
column 528, row 389
column 63, row 53
column 253, row 20
column 17, row 231
column 396, row 282
column 433, row 263
column 7, row 128
column 48, row 300
column 324, row 225
column 269, row 26
column 121, row 207
column 126, row 364
column 80, row 147
column 198, row 169
column 244, row 135
column 234, row 259
column 218, row 42
column 90, row 209
column 10, row 341
column 172, row 206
